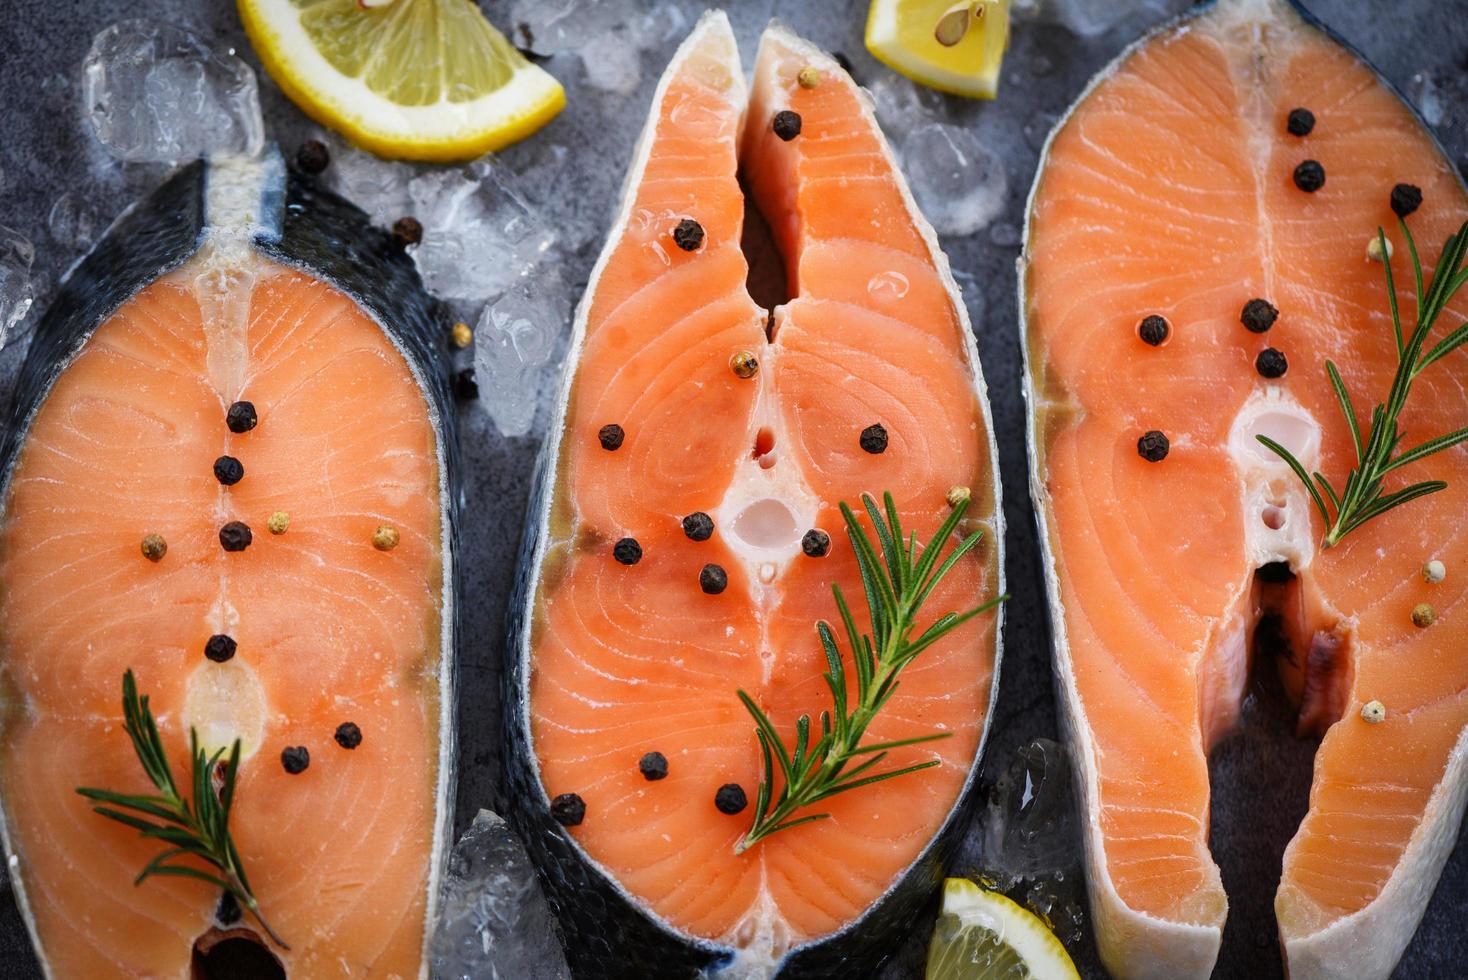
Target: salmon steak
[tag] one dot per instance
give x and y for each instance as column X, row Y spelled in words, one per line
column 685, row 537
column 1201, row 239
column 228, row 472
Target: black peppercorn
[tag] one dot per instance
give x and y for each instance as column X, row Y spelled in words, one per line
column 312, row 157
column 1300, row 122
column 688, row 235
column 407, row 231
column 220, row 648
column 698, row 526
column 228, row 470
column 1310, row 176
column 653, row 766
column 466, row 389
column 787, row 124
column 241, row 417
column 348, row 735
column 730, row 798
column 1153, row 330
column 227, row 912
column 1406, row 198
column 568, row 809
column 1258, row 315
column 295, row 759
column 1271, row 363
column 874, row 438
column 627, row 551
column 1152, row 446
column 610, row 437
column 235, row 536
column 816, row 543
column 713, row 579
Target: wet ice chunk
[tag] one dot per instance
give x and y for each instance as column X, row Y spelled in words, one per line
column 377, row 186
column 613, row 63
column 549, row 26
column 960, row 185
column 516, row 343
column 1029, row 845
column 71, row 221
column 16, row 290
column 1027, row 825
column 902, row 105
column 1088, row 18
column 493, row 922
column 479, row 236
column 157, row 93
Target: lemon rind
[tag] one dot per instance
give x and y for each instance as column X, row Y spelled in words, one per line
column 443, row 132
column 882, row 43
column 1016, row 926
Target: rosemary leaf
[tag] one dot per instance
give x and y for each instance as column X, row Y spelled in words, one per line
column 896, row 581
column 1362, row 498
column 196, row 829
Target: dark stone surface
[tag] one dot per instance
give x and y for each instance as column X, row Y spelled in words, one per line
column 1260, row 772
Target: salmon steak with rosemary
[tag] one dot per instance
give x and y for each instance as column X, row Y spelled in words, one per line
column 688, row 530
column 226, row 594
column 1235, row 249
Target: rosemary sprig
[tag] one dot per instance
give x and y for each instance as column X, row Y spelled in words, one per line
column 200, row 830
column 897, row 583
column 1362, row 498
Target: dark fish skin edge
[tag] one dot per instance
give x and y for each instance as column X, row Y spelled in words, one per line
column 323, row 235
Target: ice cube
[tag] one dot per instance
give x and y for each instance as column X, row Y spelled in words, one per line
column 72, row 222
column 960, row 185
column 493, row 921
column 377, row 186
column 613, row 62
column 155, row 92
column 1027, row 826
column 479, row 236
column 902, row 105
column 16, row 289
column 549, row 26
column 517, row 343
column 1089, row 18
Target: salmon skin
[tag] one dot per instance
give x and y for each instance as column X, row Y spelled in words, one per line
column 624, row 659
column 1178, row 187
column 234, row 281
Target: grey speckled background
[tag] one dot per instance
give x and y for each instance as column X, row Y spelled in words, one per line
column 1260, row 773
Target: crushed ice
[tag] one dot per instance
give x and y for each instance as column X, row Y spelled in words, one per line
column 1090, row 18
column 959, row 183
column 157, row 93
column 608, row 36
column 492, row 249
column 493, row 921
column 16, row 289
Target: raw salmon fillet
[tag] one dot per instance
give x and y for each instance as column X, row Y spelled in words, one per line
column 1169, row 191
column 328, row 629
column 630, row 659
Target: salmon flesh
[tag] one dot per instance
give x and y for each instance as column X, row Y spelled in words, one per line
column 1178, row 187
column 612, row 659
column 232, row 283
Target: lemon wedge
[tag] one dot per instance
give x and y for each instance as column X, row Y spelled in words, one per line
column 410, row 79
column 952, row 47
column 981, row 935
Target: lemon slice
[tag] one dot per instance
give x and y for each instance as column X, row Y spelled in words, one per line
column 411, row 79
column 981, row 935
column 953, row 47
